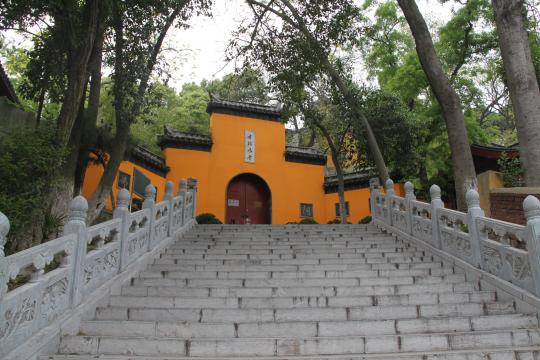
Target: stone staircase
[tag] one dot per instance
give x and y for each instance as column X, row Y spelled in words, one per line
column 302, row 292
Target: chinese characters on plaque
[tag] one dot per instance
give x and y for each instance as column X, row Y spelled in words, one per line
column 249, row 148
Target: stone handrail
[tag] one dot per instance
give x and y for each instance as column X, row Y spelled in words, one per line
column 508, row 251
column 59, row 275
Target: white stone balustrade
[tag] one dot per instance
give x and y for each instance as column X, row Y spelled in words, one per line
column 40, row 284
column 510, row 252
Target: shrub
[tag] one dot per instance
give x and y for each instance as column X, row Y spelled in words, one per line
column 208, row 218
column 512, row 171
column 29, row 160
column 337, row 221
column 365, row 220
column 307, row 221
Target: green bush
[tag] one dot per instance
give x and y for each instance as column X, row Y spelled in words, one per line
column 337, row 221
column 208, row 218
column 29, row 160
column 512, row 171
column 365, row 220
column 308, row 221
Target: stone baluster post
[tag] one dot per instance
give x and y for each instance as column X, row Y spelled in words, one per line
column 473, row 211
column 182, row 184
column 123, row 200
column 192, row 187
column 409, row 196
column 150, row 203
column 436, row 203
column 531, row 206
column 389, row 197
column 169, row 188
column 4, row 230
column 374, row 184
column 76, row 224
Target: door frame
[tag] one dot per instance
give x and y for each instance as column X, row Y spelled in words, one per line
column 262, row 181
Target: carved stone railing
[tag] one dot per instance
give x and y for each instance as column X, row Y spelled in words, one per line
column 508, row 251
column 39, row 284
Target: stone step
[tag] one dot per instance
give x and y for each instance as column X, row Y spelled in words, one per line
column 330, row 293
column 177, row 279
column 278, row 273
column 298, row 264
column 140, row 313
column 271, row 259
column 304, row 329
column 297, row 288
column 301, row 308
column 522, row 353
column 299, row 346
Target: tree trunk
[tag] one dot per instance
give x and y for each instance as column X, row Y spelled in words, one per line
column 522, row 83
column 462, row 163
column 101, row 194
column 80, row 50
column 341, row 190
column 89, row 126
column 334, row 152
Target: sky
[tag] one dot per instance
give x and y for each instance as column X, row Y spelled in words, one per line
column 207, row 39
column 199, row 51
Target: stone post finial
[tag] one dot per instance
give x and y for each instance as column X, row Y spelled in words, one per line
column 78, row 210
column 374, row 183
column 123, row 198
column 169, row 188
column 474, row 211
column 192, row 184
column 182, row 184
column 531, row 207
column 76, row 225
column 435, row 192
column 389, row 187
column 436, row 203
column 150, row 192
column 4, row 230
column 409, row 191
column 473, row 199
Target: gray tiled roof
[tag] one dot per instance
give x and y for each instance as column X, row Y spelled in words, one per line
column 248, row 109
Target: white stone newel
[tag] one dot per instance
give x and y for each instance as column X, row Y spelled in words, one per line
column 531, row 206
column 389, row 187
column 122, row 212
column 389, row 193
column 150, row 203
column 473, row 211
column 4, row 230
column 436, row 203
column 182, row 185
column 374, row 184
column 192, row 187
column 77, row 225
column 409, row 196
column 169, row 188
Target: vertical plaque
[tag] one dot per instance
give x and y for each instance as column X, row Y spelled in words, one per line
column 249, row 148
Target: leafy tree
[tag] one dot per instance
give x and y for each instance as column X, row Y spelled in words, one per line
column 138, row 39
column 293, row 39
column 28, row 159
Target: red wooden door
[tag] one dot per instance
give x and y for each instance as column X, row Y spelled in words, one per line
column 248, row 201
